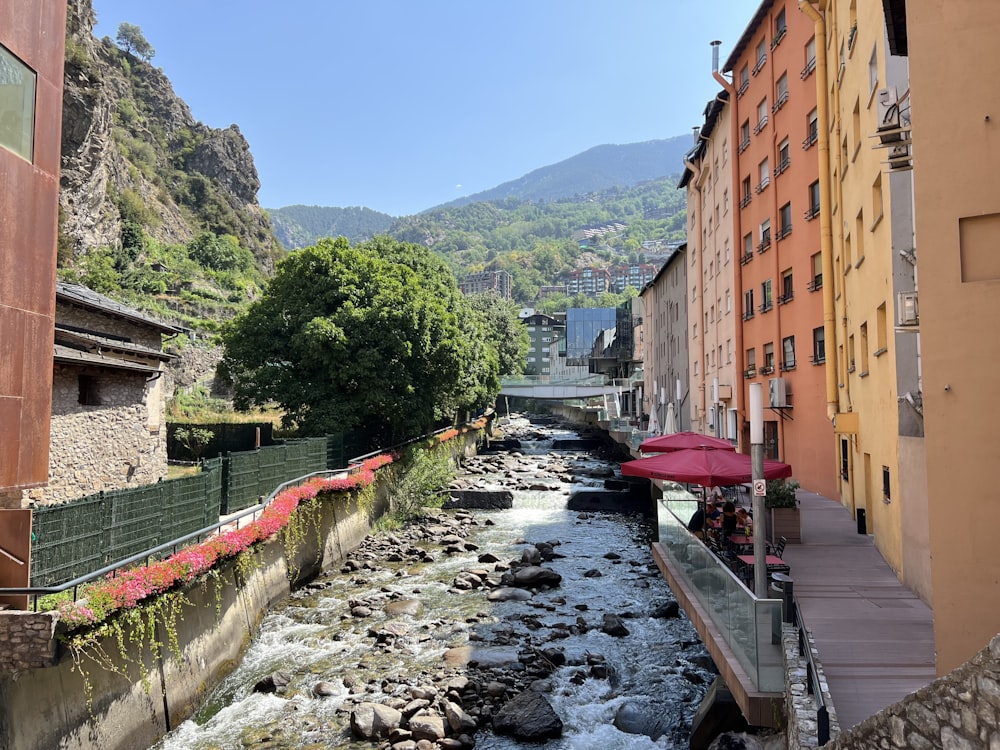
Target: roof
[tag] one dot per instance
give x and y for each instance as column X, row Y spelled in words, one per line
column 76, row 338
column 748, row 33
column 81, row 296
column 65, row 355
column 681, row 249
column 712, row 111
column 895, row 25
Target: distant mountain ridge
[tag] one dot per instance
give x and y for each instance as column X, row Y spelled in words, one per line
column 593, row 171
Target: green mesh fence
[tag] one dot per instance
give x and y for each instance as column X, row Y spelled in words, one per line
column 252, row 475
column 68, row 540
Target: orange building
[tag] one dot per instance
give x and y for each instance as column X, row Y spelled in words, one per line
column 32, row 48
column 778, row 239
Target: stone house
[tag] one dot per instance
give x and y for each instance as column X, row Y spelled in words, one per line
column 108, row 426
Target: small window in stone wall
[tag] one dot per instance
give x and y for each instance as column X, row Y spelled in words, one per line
column 89, row 392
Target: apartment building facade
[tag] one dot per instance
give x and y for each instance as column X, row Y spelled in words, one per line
column 956, row 136
column 487, row 281
column 543, row 331
column 774, row 111
column 665, row 346
column 716, row 381
column 873, row 357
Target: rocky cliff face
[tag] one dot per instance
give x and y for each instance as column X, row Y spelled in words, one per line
column 132, row 152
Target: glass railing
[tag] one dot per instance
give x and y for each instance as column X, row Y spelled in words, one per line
column 751, row 627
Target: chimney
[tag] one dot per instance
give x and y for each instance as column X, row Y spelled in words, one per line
column 694, row 132
column 715, row 55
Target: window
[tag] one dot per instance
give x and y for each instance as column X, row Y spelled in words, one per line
column 726, row 249
column 729, row 302
column 744, row 136
column 729, row 351
column 761, row 115
column 876, row 200
column 751, row 362
column 850, row 353
column 725, row 201
column 864, row 348
column 847, row 253
column 765, row 236
column 764, row 171
column 881, row 334
column 786, row 286
column 788, row 353
column 813, row 211
column 768, row 358
column 17, row 105
column 784, row 159
column 748, row 304
column 819, row 346
column 845, row 460
column 886, row 488
column 765, row 296
column 747, row 247
column 89, row 393
column 779, row 28
column 810, row 58
column 744, row 79
column 761, row 55
column 746, row 192
column 812, row 129
column 817, row 272
column 781, row 92
column 873, row 70
column 856, row 122
column 785, row 221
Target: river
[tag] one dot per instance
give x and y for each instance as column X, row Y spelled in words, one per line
column 335, row 644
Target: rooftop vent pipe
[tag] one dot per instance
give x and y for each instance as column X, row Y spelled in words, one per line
column 715, row 55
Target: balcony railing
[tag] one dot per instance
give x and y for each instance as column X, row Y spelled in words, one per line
column 761, row 123
column 816, row 284
column 759, row 66
column 786, row 366
column 784, row 164
column 778, row 37
column 743, row 88
column 764, row 182
column 766, row 370
column 750, row 372
column 809, row 68
column 746, row 258
column 780, row 103
column 748, row 314
column 812, row 212
column 745, row 200
column 765, row 307
column 784, row 231
column 744, row 145
column 810, row 140
column 818, row 359
column 786, row 297
column 764, row 244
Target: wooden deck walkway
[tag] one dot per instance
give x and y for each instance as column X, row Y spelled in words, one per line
column 875, row 636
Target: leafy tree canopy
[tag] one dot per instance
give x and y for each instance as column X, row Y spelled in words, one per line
column 131, row 40
column 376, row 335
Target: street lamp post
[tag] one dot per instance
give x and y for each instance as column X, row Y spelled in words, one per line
column 757, row 465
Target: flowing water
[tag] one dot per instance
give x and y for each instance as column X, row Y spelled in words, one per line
column 660, row 667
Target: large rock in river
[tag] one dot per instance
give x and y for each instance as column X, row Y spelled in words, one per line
column 373, row 721
column 529, row 716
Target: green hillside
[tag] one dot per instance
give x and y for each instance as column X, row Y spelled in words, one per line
column 302, row 226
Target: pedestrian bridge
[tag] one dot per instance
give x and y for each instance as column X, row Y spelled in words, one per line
column 541, row 387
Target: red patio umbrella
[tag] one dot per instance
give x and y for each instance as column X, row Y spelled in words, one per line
column 709, row 468
column 679, row 441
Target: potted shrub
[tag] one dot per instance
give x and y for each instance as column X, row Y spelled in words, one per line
column 782, row 511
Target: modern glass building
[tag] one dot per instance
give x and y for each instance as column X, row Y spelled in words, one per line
column 584, row 325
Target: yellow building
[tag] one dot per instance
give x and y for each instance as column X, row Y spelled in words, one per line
column 873, row 352
column 956, row 157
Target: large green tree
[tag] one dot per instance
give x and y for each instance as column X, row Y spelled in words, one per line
column 131, row 40
column 498, row 318
column 373, row 336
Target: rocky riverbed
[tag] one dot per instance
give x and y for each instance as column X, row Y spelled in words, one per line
column 476, row 628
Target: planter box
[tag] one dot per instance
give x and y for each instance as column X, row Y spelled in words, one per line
column 783, row 522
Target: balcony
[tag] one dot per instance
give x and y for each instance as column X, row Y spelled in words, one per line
column 778, row 37
column 765, row 181
column 759, row 66
column 810, row 139
column 812, row 212
column 746, row 258
column 761, row 124
column 818, row 359
column 765, row 307
column 780, row 103
column 808, row 69
column 784, row 231
column 786, row 297
column 748, row 314
column 782, row 165
column 766, row 370
column 744, row 145
column 750, row 372
column 764, row 244
column 816, row 284
column 745, row 200
column 743, row 88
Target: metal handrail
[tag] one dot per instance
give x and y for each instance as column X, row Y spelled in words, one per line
column 812, row 680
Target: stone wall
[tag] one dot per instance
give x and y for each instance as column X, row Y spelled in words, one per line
column 801, row 729
column 960, row 710
column 104, row 323
column 27, row 640
column 120, row 443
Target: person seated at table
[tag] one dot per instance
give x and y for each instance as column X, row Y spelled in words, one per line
column 696, row 524
column 729, row 521
column 712, row 512
column 743, row 520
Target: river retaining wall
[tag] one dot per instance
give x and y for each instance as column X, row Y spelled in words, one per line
column 99, row 700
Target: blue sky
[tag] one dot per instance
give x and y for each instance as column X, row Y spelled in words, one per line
column 400, row 105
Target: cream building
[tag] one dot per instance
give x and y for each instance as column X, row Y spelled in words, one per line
column 873, row 355
column 714, row 344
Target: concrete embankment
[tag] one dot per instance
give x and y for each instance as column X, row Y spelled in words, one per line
column 125, row 693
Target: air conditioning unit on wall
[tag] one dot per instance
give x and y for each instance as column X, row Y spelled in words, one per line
column 907, row 311
column 779, row 393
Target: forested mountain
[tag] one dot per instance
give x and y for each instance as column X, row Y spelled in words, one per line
column 302, row 226
column 595, row 170
column 534, row 241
